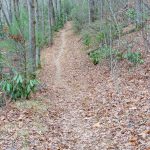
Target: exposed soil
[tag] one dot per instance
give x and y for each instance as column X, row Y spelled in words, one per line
column 81, row 106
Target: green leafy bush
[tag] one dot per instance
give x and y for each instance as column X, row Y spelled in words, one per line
column 102, row 53
column 134, row 57
column 18, row 86
column 59, row 24
column 87, row 40
column 131, row 14
column 100, row 37
column 95, row 57
column 119, row 55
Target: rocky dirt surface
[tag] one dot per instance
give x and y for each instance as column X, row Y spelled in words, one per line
column 80, row 106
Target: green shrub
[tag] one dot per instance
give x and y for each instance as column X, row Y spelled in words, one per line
column 1, row 57
column 146, row 16
column 102, row 53
column 119, row 55
column 91, row 35
column 87, row 40
column 100, row 37
column 59, row 24
column 131, row 13
column 95, row 57
column 134, row 57
column 18, row 86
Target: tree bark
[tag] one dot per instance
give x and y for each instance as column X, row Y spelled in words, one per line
column 92, row 14
column 49, row 22
column 32, row 41
column 4, row 14
column 38, row 55
column 139, row 20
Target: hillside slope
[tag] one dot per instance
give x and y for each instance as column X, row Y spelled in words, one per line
column 81, row 106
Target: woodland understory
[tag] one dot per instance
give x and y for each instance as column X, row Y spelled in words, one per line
column 74, row 75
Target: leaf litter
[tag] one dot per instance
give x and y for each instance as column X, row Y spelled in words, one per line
column 81, row 106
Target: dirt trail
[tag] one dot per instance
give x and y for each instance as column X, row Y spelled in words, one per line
column 77, row 107
column 58, row 59
column 93, row 116
column 68, row 64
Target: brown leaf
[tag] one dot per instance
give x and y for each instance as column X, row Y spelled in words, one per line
column 134, row 140
column 96, row 125
column 145, row 133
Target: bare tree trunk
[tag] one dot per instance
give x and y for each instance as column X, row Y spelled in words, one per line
column 89, row 12
column 55, row 9
column 52, row 12
column 32, row 41
column 139, row 21
column 92, row 14
column 16, row 9
column 1, row 20
column 4, row 14
column 59, row 8
column 10, row 11
column 42, row 20
column 38, row 55
column 49, row 21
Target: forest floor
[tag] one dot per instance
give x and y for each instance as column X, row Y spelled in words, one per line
column 77, row 106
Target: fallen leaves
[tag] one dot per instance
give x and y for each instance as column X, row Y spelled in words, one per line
column 134, row 140
column 145, row 133
column 96, row 125
column 90, row 114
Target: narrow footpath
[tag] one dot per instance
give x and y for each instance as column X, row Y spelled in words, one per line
column 77, row 106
